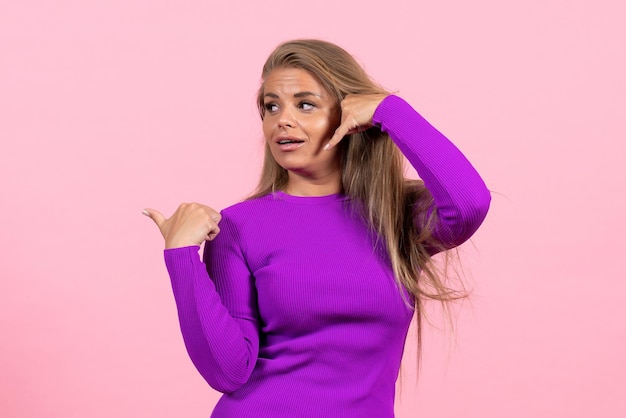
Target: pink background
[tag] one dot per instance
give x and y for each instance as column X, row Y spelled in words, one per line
column 107, row 107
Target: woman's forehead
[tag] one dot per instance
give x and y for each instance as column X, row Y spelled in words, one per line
column 292, row 81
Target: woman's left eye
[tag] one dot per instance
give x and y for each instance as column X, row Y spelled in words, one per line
column 306, row 106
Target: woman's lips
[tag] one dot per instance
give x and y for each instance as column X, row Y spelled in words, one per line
column 290, row 146
column 289, row 143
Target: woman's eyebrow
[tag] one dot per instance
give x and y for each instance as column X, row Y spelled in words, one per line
column 307, row 93
column 297, row 95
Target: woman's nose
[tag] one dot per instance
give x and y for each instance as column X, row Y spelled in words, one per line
column 286, row 119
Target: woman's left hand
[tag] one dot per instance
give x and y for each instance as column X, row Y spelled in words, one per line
column 357, row 111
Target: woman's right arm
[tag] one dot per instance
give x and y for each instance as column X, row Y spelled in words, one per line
column 217, row 309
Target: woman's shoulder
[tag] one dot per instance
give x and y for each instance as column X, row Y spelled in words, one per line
column 250, row 219
column 248, row 208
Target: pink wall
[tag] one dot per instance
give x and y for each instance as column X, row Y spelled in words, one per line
column 107, row 107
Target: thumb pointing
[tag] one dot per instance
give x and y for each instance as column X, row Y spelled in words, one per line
column 155, row 215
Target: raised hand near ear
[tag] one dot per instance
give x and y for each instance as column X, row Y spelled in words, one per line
column 357, row 111
column 191, row 224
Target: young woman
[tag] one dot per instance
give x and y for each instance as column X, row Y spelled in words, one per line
column 301, row 305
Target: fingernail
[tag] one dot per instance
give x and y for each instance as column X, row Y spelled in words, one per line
column 145, row 212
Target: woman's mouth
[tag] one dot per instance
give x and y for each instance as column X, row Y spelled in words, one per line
column 288, row 144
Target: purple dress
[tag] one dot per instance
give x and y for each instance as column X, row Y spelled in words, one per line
column 293, row 312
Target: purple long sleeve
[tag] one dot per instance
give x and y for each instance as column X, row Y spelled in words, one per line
column 218, row 319
column 460, row 195
column 292, row 313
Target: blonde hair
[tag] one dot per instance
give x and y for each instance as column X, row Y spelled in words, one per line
column 399, row 211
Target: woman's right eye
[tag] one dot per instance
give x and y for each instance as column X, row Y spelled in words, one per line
column 271, row 107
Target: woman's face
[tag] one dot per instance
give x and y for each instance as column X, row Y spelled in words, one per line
column 300, row 118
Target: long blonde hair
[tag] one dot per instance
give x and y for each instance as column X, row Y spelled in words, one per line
column 398, row 210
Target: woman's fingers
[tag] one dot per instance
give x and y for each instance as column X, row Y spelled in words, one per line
column 191, row 224
column 357, row 111
column 216, row 216
column 341, row 131
column 155, row 215
column 213, row 233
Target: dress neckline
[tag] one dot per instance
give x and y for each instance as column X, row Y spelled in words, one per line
column 279, row 194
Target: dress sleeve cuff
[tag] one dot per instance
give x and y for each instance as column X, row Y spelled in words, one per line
column 178, row 260
column 390, row 104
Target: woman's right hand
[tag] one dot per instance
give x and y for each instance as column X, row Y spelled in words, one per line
column 191, row 224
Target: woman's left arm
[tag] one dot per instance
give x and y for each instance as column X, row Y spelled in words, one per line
column 459, row 193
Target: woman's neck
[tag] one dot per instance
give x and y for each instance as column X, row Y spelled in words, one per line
column 303, row 186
